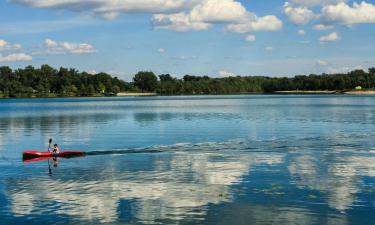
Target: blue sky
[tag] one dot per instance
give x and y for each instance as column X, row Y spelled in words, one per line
column 200, row 37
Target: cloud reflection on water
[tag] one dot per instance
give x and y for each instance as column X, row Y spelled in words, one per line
column 169, row 192
column 293, row 159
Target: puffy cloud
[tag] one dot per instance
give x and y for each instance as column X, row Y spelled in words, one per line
column 224, row 73
column 342, row 13
column 175, row 15
column 179, row 22
column 254, row 23
column 110, row 9
column 322, row 27
column 213, row 11
column 5, row 46
column 208, row 12
column 251, row 38
column 55, row 48
column 161, row 50
column 344, row 69
column 15, row 57
column 330, row 37
column 298, row 15
column 322, row 63
column 310, row 3
column 301, row 32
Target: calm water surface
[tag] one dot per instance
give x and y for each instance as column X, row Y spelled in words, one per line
column 191, row 160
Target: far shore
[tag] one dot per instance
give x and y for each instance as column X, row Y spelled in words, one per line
column 353, row 92
column 295, row 92
column 307, row 92
column 360, row 92
column 123, row 94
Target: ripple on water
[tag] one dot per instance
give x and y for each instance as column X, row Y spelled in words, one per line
column 302, row 162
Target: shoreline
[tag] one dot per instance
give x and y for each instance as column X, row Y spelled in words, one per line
column 352, row 92
column 125, row 94
column 308, row 92
column 295, row 92
column 360, row 92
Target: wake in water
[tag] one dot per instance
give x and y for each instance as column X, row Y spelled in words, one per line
column 335, row 143
column 120, row 152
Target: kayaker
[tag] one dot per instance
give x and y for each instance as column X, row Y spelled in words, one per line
column 56, row 149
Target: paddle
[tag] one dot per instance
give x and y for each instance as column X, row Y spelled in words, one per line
column 49, row 144
column 49, row 166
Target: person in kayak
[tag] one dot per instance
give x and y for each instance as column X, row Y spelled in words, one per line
column 55, row 149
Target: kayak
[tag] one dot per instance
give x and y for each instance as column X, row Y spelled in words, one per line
column 30, row 154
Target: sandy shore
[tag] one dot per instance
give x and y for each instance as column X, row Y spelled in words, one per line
column 135, row 94
column 360, row 92
column 306, row 92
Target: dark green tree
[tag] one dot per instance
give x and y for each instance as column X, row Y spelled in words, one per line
column 146, row 81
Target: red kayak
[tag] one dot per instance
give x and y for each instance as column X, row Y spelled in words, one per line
column 30, row 154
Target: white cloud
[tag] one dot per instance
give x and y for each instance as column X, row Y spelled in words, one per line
column 344, row 69
column 330, row 37
column 268, row 48
column 301, row 32
column 342, row 13
column 322, row 63
column 213, row 11
column 208, row 12
column 5, row 46
column 322, row 27
column 92, row 72
column 111, row 8
column 175, row 15
column 179, row 22
column 50, row 43
column 201, row 10
column 161, row 50
column 254, row 23
column 224, row 73
column 15, row 57
column 310, row 3
column 251, row 38
column 299, row 15
column 56, row 48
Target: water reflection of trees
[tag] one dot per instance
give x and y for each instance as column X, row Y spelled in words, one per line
column 46, row 124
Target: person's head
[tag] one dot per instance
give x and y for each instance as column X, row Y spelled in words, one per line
column 55, row 146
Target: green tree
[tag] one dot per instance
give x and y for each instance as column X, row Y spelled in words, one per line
column 146, row 81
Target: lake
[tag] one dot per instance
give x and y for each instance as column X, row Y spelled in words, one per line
column 252, row 159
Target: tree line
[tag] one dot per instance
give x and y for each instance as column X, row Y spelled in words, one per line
column 50, row 82
column 165, row 84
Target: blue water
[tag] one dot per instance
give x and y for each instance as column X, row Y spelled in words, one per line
column 258, row 159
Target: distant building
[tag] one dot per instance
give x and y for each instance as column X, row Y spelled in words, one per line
column 358, row 88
